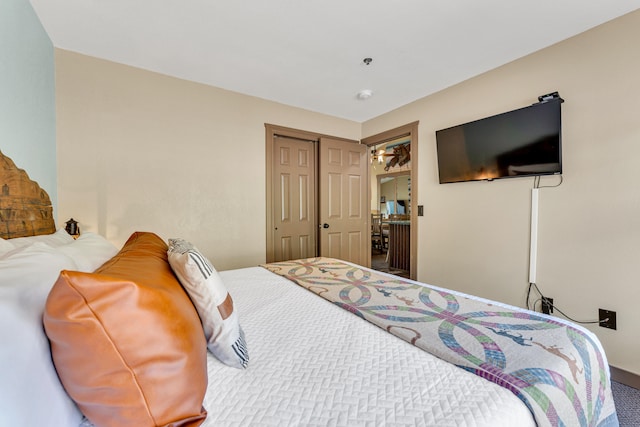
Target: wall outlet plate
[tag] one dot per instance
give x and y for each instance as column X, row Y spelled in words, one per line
column 607, row 318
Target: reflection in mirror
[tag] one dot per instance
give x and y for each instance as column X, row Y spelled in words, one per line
column 394, row 194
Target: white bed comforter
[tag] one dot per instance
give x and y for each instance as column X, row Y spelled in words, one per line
column 313, row 363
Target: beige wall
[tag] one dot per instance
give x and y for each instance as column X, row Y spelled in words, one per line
column 475, row 236
column 143, row 151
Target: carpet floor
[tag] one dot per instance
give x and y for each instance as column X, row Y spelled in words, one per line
column 627, row 404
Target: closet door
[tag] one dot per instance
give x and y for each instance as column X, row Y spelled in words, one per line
column 294, row 190
column 344, row 205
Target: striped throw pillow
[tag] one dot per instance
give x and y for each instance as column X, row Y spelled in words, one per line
column 225, row 338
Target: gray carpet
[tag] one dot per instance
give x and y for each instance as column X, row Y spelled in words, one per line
column 627, row 404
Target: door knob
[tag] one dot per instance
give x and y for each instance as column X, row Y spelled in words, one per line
column 325, row 225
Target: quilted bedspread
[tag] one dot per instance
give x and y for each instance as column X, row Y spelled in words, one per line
column 557, row 369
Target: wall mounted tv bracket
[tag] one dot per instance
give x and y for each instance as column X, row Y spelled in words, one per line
column 549, row 97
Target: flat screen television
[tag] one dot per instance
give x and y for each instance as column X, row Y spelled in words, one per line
column 518, row 143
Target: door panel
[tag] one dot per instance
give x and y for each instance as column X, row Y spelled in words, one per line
column 343, row 200
column 306, row 249
column 355, row 240
column 285, row 194
column 285, row 248
column 334, row 196
column 303, row 184
column 295, row 199
column 355, row 189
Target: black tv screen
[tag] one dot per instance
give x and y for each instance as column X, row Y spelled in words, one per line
column 523, row 142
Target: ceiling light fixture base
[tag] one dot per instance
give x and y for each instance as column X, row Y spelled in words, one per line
column 365, row 94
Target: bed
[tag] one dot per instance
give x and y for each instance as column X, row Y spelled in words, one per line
column 128, row 340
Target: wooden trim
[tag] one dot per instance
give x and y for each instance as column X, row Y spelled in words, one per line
column 302, row 134
column 395, row 133
column 409, row 130
column 269, row 133
column 625, row 377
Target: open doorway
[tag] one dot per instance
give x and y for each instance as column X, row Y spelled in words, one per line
column 393, row 172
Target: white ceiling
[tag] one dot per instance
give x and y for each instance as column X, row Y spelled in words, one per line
column 309, row 53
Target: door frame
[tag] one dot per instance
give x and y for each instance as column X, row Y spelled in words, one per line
column 409, row 131
column 271, row 131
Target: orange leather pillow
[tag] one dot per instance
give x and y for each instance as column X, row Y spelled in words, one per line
column 127, row 342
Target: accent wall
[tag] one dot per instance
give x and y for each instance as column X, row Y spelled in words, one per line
column 27, row 94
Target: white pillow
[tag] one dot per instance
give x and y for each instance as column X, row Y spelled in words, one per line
column 60, row 237
column 5, row 246
column 225, row 337
column 89, row 251
column 30, row 391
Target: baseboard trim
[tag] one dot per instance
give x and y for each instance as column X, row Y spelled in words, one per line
column 625, row 377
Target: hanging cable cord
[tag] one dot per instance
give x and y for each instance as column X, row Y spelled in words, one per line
column 543, row 299
column 546, row 300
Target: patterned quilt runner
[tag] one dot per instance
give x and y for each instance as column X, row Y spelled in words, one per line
column 556, row 369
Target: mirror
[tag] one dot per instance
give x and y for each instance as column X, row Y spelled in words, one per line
column 394, row 192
